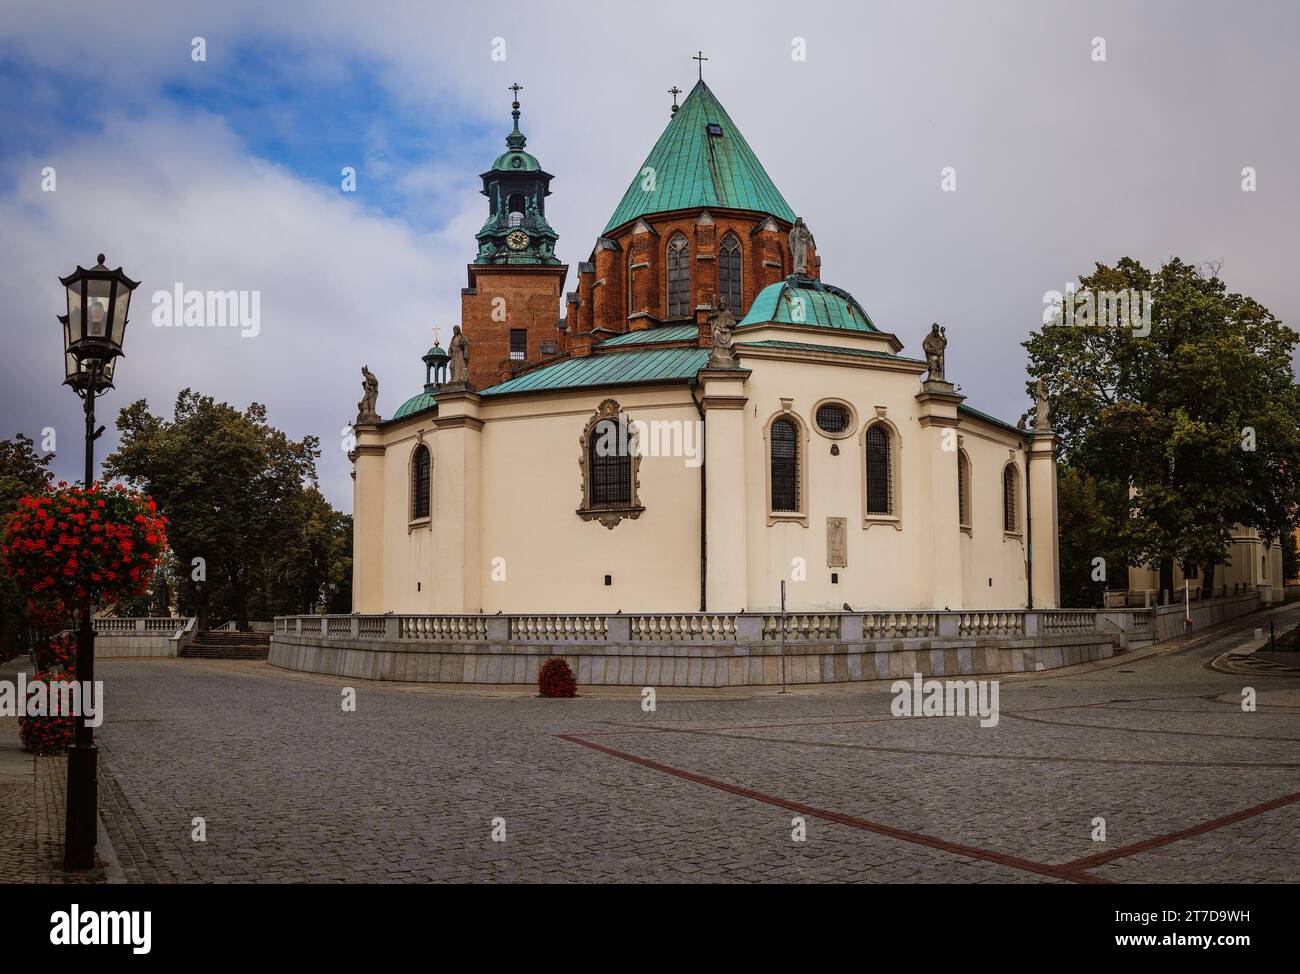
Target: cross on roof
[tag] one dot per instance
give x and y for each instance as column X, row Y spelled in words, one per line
column 674, row 91
column 699, row 56
column 435, row 334
column 516, row 88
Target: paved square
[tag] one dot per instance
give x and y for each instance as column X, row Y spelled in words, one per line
column 406, row 788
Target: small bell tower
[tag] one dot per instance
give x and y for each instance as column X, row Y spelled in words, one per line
column 511, row 310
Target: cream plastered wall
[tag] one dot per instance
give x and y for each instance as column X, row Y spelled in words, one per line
column 988, row 551
column 556, row 562
column 1250, row 563
column 534, row 554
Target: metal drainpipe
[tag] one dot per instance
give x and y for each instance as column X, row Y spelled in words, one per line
column 1029, row 532
column 704, row 542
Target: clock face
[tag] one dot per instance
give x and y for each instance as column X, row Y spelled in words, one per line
column 517, row 240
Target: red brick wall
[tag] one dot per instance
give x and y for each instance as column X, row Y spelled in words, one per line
column 531, row 298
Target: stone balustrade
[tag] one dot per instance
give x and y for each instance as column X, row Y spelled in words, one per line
column 703, row 648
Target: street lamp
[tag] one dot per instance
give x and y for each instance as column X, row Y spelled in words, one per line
column 93, row 328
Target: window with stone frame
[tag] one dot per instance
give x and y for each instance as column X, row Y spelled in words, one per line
column 880, row 470
column 421, row 483
column 1010, row 499
column 730, row 290
column 963, row 490
column 783, row 446
column 679, row 277
column 610, row 464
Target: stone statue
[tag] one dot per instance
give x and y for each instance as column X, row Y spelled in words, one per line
column 369, row 397
column 801, row 240
column 1043, row 409
column 459, row 352
column 722, row 323
column 934, row 345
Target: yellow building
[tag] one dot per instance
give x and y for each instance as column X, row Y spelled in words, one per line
column 653, row 452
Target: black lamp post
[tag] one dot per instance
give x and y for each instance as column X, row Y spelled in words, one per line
column 92, row 341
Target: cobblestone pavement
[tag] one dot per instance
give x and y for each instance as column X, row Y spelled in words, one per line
column 292, row 788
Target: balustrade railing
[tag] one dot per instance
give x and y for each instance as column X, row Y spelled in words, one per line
column 686, row 627
column 900, row 625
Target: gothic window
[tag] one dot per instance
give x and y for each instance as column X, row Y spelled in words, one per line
column 610, row 465
column 631, row 307
column 729, row 280
column 420, row 482
column 880, row 470
column 963, row 490
column 1010, row 499
column 783, row 439
column 679, row 277
column 516, row 208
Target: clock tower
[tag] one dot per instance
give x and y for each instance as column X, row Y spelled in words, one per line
column 516, row 231
column 510, row 311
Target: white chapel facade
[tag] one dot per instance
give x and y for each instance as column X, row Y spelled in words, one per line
column 763, row 428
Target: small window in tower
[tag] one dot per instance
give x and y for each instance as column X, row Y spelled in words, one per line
column 516, row 208
column 519, row 343
column 715, row 128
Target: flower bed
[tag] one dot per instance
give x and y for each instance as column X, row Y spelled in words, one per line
column 555, row 679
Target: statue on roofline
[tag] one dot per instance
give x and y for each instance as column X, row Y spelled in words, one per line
column 801, row 240
column 721, row 324
column 1042, row 408
column 369, row 397
column 935, row 346
column 458, row 350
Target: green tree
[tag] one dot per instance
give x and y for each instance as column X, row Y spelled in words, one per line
column 223, row 477
column 23, row 472
column 314, row 569
column 1187, row 430
column 1087, row 532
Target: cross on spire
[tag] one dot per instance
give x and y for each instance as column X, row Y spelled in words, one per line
column 674, row 91
column 435, row 334
column 516, row 88
column 699, row 56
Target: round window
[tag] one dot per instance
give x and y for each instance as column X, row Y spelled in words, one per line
column 833, row 418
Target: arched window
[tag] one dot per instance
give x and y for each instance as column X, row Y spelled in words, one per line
column 610, row 461
column 420, row 482
column 963, row 490
column 880, row 470
column 729, row 281
column 516, row 209
column 784, row 446
column 1010, row 499
column 631, row 308
column 609, row 458
column 679, row 277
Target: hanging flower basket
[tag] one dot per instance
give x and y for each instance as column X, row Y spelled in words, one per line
column 74, row 546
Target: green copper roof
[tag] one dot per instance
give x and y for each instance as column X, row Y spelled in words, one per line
column 694, row 169
column 416, row 404
column 652, row 336
column 833, row 349
column 972, row 411
column 643, row 365
column 804, row 301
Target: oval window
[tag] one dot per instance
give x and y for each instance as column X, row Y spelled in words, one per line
column 833, row 418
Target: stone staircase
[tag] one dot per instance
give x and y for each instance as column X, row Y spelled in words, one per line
column 228, row 644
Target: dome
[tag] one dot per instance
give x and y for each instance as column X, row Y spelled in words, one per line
column 416, row 404
column 516, row 160
column 808, row 302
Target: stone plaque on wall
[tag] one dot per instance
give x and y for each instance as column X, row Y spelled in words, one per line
column 837, row 542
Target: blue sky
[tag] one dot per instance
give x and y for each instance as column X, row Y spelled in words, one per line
column 225, row 174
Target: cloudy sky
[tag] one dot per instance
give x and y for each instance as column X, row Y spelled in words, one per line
column 225, row 173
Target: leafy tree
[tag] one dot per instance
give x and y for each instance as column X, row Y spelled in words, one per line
column 1087, row 532
column 23, row 472
column 224, row 478
column 314, row 570
column 1188, row 430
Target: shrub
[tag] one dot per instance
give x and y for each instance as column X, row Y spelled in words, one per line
column 555, row 679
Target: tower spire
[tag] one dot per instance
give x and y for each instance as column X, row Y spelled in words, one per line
column 516, row 140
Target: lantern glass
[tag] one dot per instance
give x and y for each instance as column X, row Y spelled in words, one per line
column 72, row 327
column 97, row 308
column 120, row 305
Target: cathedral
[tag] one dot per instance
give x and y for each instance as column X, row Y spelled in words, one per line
column 701, row 423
